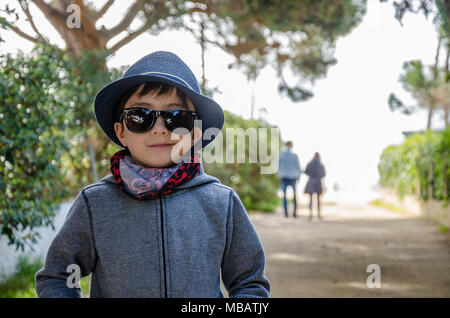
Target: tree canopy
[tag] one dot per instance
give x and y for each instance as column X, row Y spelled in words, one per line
column 295, row 35
column 429, row 85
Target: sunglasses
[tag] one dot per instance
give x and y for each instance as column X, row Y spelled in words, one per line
column 140, row 120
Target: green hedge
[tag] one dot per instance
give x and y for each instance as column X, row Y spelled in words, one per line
column 419, row 166
column 257, row 191
column 33, row 117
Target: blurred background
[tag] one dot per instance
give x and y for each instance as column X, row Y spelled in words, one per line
column 364, row 83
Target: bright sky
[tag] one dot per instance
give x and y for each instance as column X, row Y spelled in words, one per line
column 348, row 121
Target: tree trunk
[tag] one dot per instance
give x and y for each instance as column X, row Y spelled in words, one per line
column 447, row 78
column 447, row 60
column 252, row 100
column 92, row 161
column 446, row 117
column 446, row 179
column 202, row 44
column 78, row 27
column 430, row 114
column 435, row 77
column 436, row 59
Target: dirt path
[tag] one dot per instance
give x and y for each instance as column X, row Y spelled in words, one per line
column 329, row 258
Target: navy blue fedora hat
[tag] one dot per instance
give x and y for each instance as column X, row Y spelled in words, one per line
column 164, row 67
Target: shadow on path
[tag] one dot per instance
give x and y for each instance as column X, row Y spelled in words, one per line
column 329, row 258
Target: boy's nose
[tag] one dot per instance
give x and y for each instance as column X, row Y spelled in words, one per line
column 159, row 127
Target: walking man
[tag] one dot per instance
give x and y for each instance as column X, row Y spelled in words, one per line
column 289, row 174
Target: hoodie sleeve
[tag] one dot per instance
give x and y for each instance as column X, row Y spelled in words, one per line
column 244, row 261
column 73, row 244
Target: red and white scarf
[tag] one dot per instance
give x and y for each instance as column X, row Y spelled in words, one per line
column 149, row 183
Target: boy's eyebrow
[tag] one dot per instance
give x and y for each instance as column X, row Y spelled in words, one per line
column 148, row 104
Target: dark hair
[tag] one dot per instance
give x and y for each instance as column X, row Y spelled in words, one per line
column 161, row 88
column 316, row 156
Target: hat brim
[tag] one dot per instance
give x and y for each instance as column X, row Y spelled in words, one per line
column 107, row 99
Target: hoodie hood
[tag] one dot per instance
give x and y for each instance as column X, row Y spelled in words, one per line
column 200, row 179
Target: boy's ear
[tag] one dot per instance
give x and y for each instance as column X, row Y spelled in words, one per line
column 119, row 129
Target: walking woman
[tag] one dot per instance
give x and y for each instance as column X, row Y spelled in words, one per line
column 315, row 171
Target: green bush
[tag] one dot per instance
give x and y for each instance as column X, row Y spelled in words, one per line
column 33, row 118
column 88, row 74
column 257, row 191
column 47, row 123
column 420, row 163
column 21, row 283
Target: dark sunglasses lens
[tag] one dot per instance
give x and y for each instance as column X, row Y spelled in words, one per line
column 140, row 120
column 179, row 119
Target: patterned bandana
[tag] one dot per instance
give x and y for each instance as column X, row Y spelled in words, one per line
column 144, row 183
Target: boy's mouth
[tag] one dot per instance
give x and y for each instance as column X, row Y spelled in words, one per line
column 161, row 145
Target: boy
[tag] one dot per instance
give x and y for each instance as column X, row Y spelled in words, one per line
column 159, row 226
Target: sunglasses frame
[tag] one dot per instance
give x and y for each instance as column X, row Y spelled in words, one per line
column 158, row 113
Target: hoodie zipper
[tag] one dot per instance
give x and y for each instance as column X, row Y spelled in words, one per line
column 163, row 248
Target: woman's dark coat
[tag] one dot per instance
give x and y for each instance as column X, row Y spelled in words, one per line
column 316, row 171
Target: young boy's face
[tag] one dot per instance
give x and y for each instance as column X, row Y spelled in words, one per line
column 142, row 146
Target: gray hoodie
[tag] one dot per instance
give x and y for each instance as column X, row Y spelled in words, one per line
column 174, row 246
